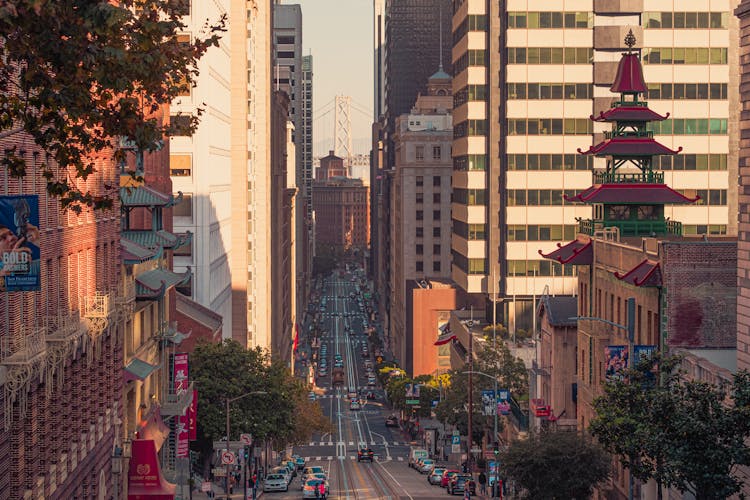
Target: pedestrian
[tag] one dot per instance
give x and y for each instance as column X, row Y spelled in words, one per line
column 482, row 483
column 322, row 490
column 467, row 489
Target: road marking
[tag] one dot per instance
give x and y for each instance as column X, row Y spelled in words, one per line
column 311, row 443
column 330, row 443
column 329, row 458
column 351, row 443
column 400, row 459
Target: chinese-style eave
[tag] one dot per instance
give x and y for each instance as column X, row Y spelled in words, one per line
column 629, row 114
column 629, row 78
column 632, row 193
column 647, row 273
column 133, row 253
column 629, row 147
column 145, row 196
column 577, row 252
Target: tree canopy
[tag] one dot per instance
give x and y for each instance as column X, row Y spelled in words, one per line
column 556, row 465
column 85, row 77
column 686, row 434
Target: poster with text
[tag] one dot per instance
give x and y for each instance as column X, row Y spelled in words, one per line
column 180, row 372
column 19, row 243
column 615, row 361
column 489, row 405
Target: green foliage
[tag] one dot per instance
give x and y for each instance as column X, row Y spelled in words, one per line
column 685, row 434
column 499, row 362
column 226, row 370
column 78, row 75
column 453, row 409
column 556, row 465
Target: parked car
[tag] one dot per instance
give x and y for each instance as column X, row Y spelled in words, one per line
column 308, row 471
column 426, row 466
column 436, row 475
column 365, row 454
column 447, row 476
column 284, row 472
column 275, row 482
column 370, row 395
column 460, row 482
column 391, row 421
column 299, row 462
column 354, row 405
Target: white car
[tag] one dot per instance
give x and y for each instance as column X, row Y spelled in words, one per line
column 275, row 482
column 426, row 466
column 308, row 490
column 284, row 471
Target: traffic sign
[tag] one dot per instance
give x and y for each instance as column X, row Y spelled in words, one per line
column 455, row 432
column 228, row 458
column 233, row 445
column 219, row 471
column 246, row 439
column 379, row 359
column 455, row 439
column 206, row 486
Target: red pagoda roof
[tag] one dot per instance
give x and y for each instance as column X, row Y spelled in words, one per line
column 647, row 273
column 631, row 193
column 576, row 252
column 629, row 114
column 629, row 77
column 630, row 146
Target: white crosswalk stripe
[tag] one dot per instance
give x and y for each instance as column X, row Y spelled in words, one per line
column 351, row 443
column 312, row 443
column 330, row 443
column 352, row 457
column 329, row 457
column 400, row 459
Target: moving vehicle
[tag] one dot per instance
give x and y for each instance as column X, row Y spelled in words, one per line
column 309, row 490
column 354, row 405
column 391, row 421
column 275, row 482
column 299, row 462
column 436, row 476
column 426, row 466
column 460, row 482
column 338, row 376
column 284, row 472
column 365, row 454
column 415, row 453
column 310, row 470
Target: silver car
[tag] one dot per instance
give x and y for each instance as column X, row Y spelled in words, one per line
column 275, row 482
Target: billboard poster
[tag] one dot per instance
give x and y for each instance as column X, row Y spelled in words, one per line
column 615, row 361
column 180, row 380
column 489, row 405
column 19, row 243
column 192, row 416
column 643, row 352
column 503, row 401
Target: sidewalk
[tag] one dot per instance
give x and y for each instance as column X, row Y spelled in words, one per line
column 219, row 493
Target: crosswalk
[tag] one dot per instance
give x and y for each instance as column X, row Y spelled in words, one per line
column 351, row 457
column 351, row 443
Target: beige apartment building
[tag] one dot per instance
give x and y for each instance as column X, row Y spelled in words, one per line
column 516, row 150
column 420, row 204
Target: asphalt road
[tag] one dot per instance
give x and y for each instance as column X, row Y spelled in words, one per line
column 389, row 475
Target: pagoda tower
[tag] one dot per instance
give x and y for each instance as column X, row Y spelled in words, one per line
column 629, row 195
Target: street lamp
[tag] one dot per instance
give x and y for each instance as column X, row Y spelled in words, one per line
column 231, row 400
column 473, row 372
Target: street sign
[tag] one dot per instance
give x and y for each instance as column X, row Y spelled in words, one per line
column 246, row 439
column 455, row 432
column 206, row 486
column 455, row 448
column 379, row 359
column 219, row 472
column 455, row 439
column 228, row 458
column 412, row 401
column 233, row 445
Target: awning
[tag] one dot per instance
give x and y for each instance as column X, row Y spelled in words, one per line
column 138, row 370
column 145, row 481
column 647, row 273
column 153, row 427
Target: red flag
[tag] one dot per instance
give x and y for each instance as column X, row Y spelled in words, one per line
column 296, row 337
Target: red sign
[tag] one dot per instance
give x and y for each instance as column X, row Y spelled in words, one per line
column 540, row 409
column 180, row 375
column 145, row 481
column 192, row 417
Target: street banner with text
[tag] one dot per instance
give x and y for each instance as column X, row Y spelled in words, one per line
column 19, row 244
column 180, row 374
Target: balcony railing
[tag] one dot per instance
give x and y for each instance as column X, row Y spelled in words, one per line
column 176, row 403
column 632, row 227
column 27, row 346
column 519, row 416
column 126, row 290
column 63, row 325
column 97, row 305
column 648, row 177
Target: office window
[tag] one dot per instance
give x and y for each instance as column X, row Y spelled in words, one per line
column 420, row 215
column 180, row 165
column 436, row 266
column 182, row 7
column 436, row 180
column 685, row 55
column 436, row 152
column 420, row 181
column 419, row 231
column 436, row 249
column 419, row 249
column 436, row 215
column 419, row 153
column 180, row 125
column 185, row 250
column 436, row 232
column 470, row 162
column 420, row 266
column 436, row 198
column 550, row 55
column 419, row 198
column 187, row 288
column 184, row 208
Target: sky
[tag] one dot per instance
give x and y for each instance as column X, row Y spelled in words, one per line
column 338, row 34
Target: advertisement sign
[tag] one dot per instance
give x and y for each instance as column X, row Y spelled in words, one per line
column 180, row 380
column 19, row 243
column 144, row 473
column 412, row 391
column 643, row 352
column 503, row 401
column 488, row 403
column 192, row 417
column 615, row 361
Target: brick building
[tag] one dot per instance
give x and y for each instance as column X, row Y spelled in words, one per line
column 61, row 355
column 330, row 166
column 743, row 292
column 342, row 217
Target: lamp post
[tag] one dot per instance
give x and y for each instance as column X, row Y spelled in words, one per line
column 231, row 400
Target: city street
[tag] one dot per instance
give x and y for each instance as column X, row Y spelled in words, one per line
column 388, row 476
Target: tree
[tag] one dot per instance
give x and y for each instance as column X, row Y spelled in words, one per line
column 80, row 75
column 556, row 465
column 685, row 434
column 499, row 362
column 453, row 409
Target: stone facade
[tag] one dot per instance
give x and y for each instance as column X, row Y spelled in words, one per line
column 342, row 213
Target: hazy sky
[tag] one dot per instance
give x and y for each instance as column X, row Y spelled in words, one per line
column 338, row 33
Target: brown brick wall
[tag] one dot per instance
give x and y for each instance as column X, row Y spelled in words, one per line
column 701, row 288
column 743, row 253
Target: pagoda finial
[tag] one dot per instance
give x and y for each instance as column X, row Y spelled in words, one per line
column 630, row 40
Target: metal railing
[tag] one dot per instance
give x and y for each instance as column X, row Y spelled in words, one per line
column 24, row 347
column 175, row 403
column 97, row 305
column 519, row 416
column 648, row 177
column 632, row 227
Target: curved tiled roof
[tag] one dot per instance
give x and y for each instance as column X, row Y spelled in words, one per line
column 652, row 194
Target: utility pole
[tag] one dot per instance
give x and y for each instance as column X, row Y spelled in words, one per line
column 494, row 394
column 469, row 440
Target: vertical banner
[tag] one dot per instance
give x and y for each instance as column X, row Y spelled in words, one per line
column 489, row 406
column 503, row 401
column 19, row 243
column 192, row 416
column 615, row 361
column 180, row 380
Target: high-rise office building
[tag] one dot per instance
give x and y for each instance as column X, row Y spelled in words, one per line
column 526, row 78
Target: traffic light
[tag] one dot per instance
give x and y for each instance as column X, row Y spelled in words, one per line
column 496, row 449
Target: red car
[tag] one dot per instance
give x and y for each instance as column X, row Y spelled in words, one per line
column 447, row 476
